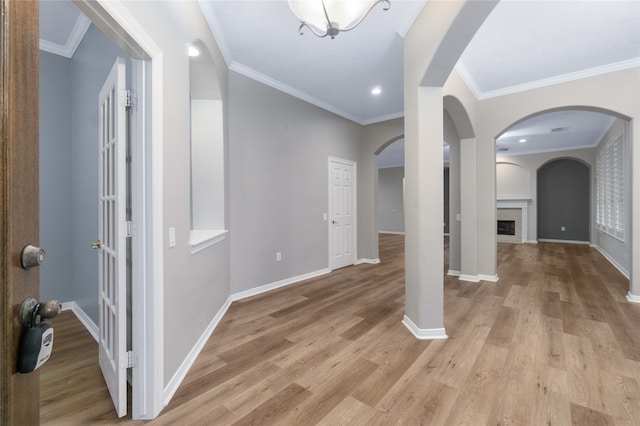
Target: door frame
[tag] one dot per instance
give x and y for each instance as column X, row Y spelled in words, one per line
column 354, row 207
column 147, row 377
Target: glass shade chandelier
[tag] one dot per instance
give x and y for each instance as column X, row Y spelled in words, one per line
column 330, row 17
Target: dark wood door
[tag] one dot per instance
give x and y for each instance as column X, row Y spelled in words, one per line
column 19, row 393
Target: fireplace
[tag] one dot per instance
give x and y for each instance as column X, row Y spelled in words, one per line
column 506, row 227
column 512, row 220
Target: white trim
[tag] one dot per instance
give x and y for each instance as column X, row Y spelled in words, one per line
column 633, row 298
column 532, row 242
column 453, row 273
column 282, row 283
column 371, row 261
column 354, row 208
column 148, row 303
column 200, row 239
column 466, row 76
column 611, row 260
column 518, row 202
column 278, row 85
column 391, row 232
column 491, row 278
column 88, row 323
column 214, row 26
column 424, row 333
column 380, row 119
column 73, row 41
column 590, row 72
column 469, row 278
column 551, row 240
column 187, row 363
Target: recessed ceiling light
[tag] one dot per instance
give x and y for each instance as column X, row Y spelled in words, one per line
column 522, row 140
column 194, row 51
column 376, row 91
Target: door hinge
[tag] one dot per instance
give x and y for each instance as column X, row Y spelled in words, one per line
column 129, row 360
column 130, row 229
column 130, row 98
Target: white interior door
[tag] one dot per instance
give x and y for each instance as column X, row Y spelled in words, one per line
column 342, row 226
column 112, row 236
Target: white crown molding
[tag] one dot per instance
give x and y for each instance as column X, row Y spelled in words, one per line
column 382, row 118
column 424, row 333
column 565, row 78
column 604, row 131
column 278, row 85
column 80, row 28
column 468, row 79
column 541, row 151
column 214, row 25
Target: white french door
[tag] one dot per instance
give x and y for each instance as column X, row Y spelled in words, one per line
column 342, row 222
column 112, row 236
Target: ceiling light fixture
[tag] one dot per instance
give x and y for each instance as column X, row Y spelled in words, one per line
column 330, row 17
column 376, row 91
column 522, row 140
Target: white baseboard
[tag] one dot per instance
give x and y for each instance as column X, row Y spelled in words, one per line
column 88, row 323
column 532, row 242
column 391, row 232
column 550, row 240
column 371, row 261
column 184, row 368
column 633, row 298
column 491, row 278
column 470, row 278
column 424, row 333
column 611, row 260
column 268, row 287
column 186, row 365
column 453, row 273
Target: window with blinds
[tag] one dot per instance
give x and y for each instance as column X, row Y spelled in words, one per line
column 610, row 187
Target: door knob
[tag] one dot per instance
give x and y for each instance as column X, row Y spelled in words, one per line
column 30, row 308
column 333, row 221
column 96, row 245
column 31, row 256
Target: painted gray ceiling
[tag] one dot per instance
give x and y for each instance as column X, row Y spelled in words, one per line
column 522, row 44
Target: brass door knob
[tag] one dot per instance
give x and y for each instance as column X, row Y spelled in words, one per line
column 96, row 245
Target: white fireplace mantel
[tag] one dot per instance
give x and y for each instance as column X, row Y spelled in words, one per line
column 521, row 202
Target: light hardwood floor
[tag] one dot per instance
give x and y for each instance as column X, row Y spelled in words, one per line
column 554, row 342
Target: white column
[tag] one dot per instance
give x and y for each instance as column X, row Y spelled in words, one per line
column 424, row 256
column 469, row 212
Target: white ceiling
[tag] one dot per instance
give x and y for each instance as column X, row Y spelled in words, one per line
column 522, row 44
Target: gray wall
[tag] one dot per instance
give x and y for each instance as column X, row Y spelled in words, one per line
column 279, row 148
column 69, row 164
column 55, row 178
column 390, row 204
column 563, row 200
column 90, row 66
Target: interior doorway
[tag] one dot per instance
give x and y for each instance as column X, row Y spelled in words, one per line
column 71, row 78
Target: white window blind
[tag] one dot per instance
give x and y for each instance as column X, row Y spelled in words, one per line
column 610, row 187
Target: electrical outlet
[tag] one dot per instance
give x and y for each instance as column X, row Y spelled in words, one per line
column 278, row 256
column 562, row 228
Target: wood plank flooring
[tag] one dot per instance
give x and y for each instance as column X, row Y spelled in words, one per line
column 554, row 342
